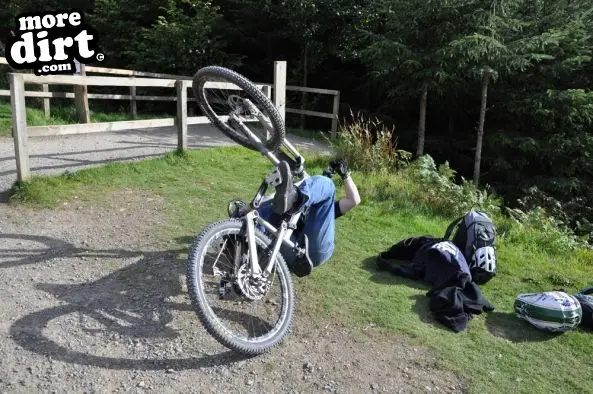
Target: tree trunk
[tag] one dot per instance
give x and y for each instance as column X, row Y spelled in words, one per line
column 305, row 75
column 478, row 158
column 422, row 121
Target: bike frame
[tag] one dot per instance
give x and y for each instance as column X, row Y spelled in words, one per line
column 287, row 227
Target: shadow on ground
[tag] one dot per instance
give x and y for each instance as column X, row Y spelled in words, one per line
column 130, row 304
column 508, row 326
column 420, row 306
column 422, row 309
column 387, row 278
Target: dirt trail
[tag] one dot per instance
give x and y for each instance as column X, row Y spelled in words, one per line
column 93, row 303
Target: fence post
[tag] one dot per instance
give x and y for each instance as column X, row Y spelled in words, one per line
column 133, row 107
column 181, row 118
column 46, row 109
column 81, row 98
column 280, row 87
column 335, row 112
column 19, row 126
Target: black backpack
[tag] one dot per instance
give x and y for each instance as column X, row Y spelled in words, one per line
column 474, row 230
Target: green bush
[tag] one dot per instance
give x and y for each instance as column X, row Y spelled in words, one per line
column 538, row 228
column 369, row 146
column 444, row 195
column 421, row 185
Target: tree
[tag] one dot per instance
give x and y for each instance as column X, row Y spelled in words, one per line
column 500, row 43
column 187, row 34
column 318, row 29
column 405, row 49
column 170, row 36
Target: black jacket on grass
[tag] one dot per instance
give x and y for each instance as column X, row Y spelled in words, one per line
column 454, row 297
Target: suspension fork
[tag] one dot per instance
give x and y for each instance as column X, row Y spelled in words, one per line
column 281, row 236
column 250, row 219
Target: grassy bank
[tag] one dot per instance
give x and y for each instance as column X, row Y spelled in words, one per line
column 496, row 353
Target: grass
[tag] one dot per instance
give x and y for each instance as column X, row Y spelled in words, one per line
column 59, row 116
column 497, row 353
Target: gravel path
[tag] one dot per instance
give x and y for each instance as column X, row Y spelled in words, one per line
column 54, row 155
column 92, row 302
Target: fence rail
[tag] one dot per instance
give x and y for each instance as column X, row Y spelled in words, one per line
column 132, row 97
column 132, row 80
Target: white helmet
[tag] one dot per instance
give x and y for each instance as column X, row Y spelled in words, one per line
column 484, row 258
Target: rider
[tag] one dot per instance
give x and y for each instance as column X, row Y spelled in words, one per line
column 315, row 197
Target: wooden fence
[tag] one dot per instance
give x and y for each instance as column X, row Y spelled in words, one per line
column 82, row 97
column 131, row 79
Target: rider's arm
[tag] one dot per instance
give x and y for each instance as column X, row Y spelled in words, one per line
column 352, row 198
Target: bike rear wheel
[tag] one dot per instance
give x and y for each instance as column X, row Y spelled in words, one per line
column 217, row 103
column 242, row 332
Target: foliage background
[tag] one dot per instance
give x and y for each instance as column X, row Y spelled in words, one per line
column 382, row 55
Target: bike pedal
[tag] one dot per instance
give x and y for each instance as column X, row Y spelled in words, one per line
column 303, row 265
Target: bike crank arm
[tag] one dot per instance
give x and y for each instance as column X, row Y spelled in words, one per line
column 255, row 203
column 270, row 128
column 254, row 138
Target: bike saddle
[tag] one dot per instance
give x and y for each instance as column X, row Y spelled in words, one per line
column 287, row 195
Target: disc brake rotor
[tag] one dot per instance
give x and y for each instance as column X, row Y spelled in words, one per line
column 254, row 287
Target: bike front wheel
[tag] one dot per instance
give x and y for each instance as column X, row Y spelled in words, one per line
column 220, row 91
column 241, row 312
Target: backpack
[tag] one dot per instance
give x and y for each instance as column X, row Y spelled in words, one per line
column 585, row 298
column 475, row 236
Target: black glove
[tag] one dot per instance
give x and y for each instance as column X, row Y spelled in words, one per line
column 328, row 172
column 340, row 167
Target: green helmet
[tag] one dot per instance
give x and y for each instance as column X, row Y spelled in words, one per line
column 553, row 311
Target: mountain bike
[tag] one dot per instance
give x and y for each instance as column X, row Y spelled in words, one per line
column 237, row 262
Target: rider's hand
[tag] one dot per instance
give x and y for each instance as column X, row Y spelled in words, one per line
column 340, row 167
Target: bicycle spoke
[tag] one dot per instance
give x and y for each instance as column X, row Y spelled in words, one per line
column 246, row 318
column 221, row 92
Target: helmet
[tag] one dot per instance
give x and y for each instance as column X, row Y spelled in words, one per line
column 554, row 311
column 485, row 259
